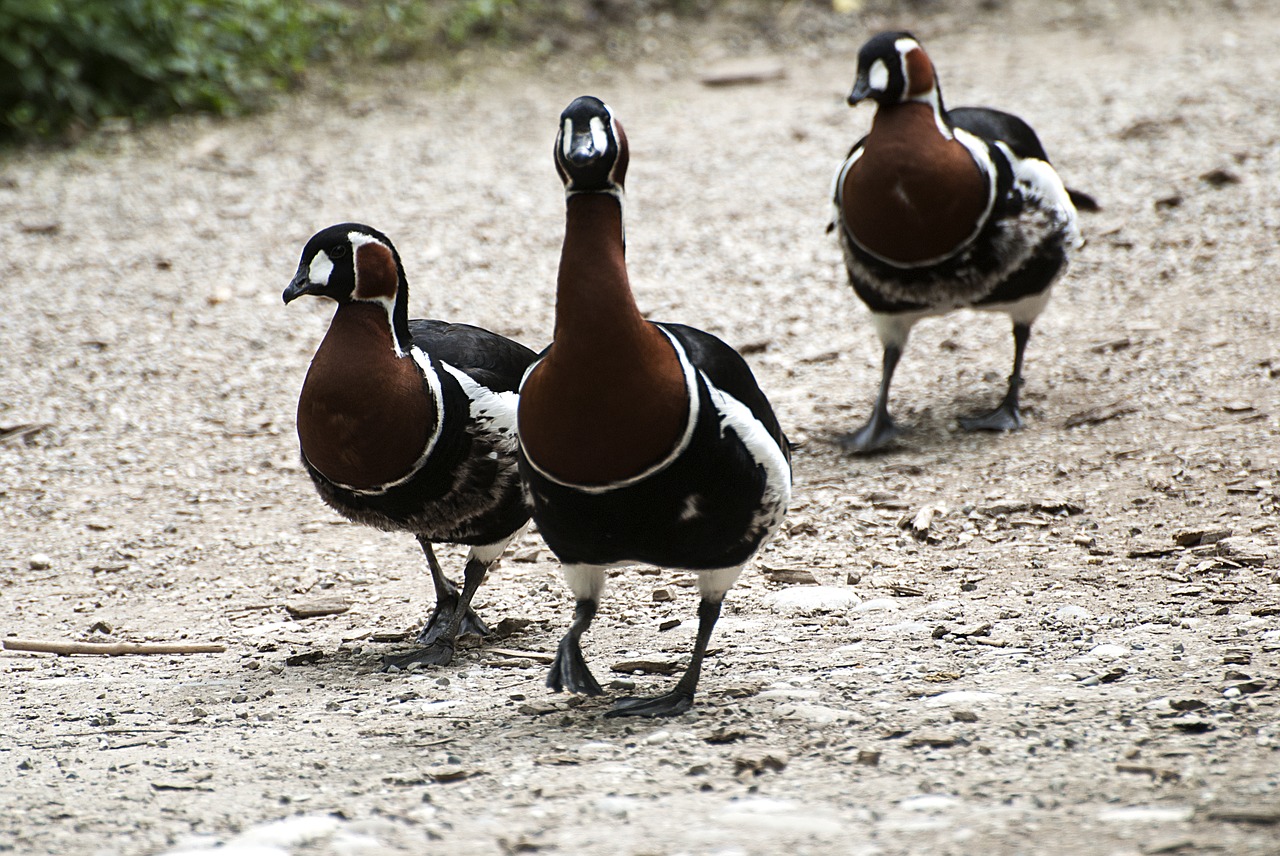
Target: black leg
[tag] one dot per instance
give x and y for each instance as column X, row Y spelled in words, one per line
column 680, row 699
column 439, row 652
column 569, row 670
column 1006, row 417
column 446, row 604
column 880, row 429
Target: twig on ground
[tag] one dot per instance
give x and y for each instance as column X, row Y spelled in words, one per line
column 114, row 648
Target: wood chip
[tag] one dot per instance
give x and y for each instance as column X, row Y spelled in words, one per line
column 1096, row 415
column 178, row 785
column 21, row 432
column 1057, row 505
column 647, row 667
column 113, row 648
column 743, row 72
column 1197, row 537
column 511, row 653
column 45, row 227
column 790, row 576
column 758, row 760
column 317, row 607
column 1111, row 346
column 1003, row 506
column 1220, row 177
column 922, row 520
column 1262, row 815
column 452, row 773
column 1153, row 552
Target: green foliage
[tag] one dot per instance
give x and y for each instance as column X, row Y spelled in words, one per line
column 482, row 18
column 69, row 62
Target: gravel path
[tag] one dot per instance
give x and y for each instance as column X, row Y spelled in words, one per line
column 1062, row 640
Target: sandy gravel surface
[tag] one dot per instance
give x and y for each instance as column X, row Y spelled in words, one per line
column 1065, row 640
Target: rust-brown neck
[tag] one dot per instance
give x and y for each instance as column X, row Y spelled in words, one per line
column 608, row 400
column 914, row 194
column 364, row 415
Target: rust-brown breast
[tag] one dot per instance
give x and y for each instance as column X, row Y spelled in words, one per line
column 913, row 195
column 363, row 415
column 593, row 418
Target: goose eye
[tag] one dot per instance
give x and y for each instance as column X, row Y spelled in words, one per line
column 338, row 251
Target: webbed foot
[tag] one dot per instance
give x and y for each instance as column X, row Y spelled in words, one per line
column 438, row 653
column 673, row 703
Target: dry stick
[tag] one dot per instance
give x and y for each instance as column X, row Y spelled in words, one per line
column 114, row 648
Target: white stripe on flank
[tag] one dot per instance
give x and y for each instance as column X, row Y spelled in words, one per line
column 1040, row 181
column 764, row 449
column 497, row 407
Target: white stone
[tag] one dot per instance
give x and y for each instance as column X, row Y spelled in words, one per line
column 1110, row 652
column 908, row 628
column 961, row 697
column 815, row 713
column 597, row 749
column 1147, row 814
column 886, row 603
column 617, row 807
column 790, row 693
column 779, row 815
column 810, row 599
column 1072, row 612
column 289, row 831
column 929, row 802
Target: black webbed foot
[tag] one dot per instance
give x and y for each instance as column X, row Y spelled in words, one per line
column 438, row 624
column 879, row 432
column 1006, row 417
column 438, row 653
column 569, row 670
column 673, row 703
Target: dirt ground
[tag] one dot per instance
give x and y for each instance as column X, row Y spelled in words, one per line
column 1065, row 640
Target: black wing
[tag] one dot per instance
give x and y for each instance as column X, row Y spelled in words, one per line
column 491, row 360
column 729, row 372
column 991, row 124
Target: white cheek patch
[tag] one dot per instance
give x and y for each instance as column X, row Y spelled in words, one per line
column 878, row 76
column 566, row 137
column 599, row 139
column 321, row 268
